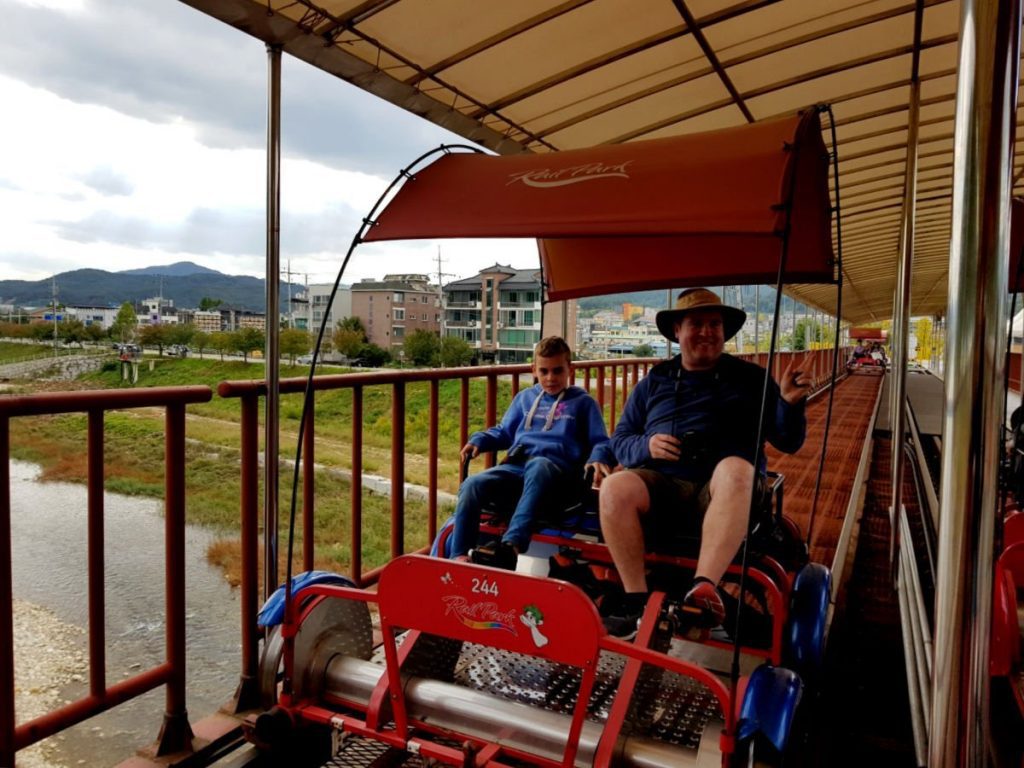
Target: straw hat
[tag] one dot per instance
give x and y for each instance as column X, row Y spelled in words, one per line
column 700, row 298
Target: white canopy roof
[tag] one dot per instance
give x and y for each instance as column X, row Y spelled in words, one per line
column 543, row 76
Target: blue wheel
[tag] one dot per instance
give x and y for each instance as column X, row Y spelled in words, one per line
column 804, row 636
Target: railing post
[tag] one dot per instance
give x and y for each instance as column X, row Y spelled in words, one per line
column 600, row 389
column 611, row 415
column 357, row 486
column 463, row 411
column 6, row 602
column 432, row 459
column 491, row 412
column 247, row 695
column 397, row 468
column 176, row 733
column 308, row 487
column 94, row 554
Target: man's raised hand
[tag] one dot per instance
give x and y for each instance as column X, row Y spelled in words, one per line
column 795, row 384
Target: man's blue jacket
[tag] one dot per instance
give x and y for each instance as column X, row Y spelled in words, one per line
column 714, row 413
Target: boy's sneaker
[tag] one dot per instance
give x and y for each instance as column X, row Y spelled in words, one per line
column 703, row 605
column 623, row 626
column 621, row 615
column 498, row 554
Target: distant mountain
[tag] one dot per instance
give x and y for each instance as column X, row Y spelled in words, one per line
column 96, row 287
column 178, row 269
column 614, row 301
column 660, row 299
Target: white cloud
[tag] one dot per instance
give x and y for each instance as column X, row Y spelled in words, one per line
column 108, row 163
column 65, row 6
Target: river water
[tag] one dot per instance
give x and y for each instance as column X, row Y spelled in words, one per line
column 49, row 558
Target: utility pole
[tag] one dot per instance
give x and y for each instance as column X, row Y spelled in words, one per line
column 440, row 291
column 309, row 307
column 288, row 273
column 53, row 286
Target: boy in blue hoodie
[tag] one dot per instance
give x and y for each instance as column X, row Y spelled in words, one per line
column 553, row 431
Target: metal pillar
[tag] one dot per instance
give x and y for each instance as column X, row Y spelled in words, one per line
column 272, row 352
column 901, row 322
column 792, row 345
column 976, row 322
column 757, row 319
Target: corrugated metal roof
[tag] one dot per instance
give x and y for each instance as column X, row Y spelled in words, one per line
column 542, row 76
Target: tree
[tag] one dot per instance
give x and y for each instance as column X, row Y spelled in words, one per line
column 94, row 332
column 206, row 303
column 923, row 333
column 42, row 331
column 180, row 334
column 247, row 341
column 374, row 356
column 455, row 352
column 201, row 341
column 353, row 324
column 71, row 331
column 295, row 341
column 222, row 342
column 155, row 336
column 348, row 342
column 643, row 350
column 422, row 347
column 349, row 336
column 807, row 334
column 125, row 324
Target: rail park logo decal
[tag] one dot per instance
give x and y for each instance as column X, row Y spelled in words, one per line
column 480, row 615
column 544, row 178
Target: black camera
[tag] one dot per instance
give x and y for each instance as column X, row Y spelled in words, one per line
column 694, row 447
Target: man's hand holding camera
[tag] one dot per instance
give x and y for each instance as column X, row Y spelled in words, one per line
column 664, row 446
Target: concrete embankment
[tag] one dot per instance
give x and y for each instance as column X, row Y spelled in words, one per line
column 54, row 368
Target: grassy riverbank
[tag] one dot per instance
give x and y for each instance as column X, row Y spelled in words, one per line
column 134, row 453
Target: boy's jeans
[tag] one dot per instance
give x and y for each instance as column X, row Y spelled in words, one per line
column 534, row 482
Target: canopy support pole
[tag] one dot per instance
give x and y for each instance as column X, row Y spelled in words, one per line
column 983, row 142
column 272, row 356
column 901, row 323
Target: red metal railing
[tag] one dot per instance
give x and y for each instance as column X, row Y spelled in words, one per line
column 609, row 381
column 176, row 733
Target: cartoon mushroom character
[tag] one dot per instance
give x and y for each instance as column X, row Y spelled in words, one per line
column 533, row 618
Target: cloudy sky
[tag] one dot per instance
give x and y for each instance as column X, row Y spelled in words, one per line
column 134, row 135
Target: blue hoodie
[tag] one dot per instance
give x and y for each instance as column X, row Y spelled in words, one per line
column 577, row 435
column 720, row 407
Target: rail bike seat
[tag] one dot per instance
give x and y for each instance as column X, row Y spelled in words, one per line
column 573, row 509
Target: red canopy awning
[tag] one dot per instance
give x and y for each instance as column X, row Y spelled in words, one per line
column 867, row 334
column 699, row 209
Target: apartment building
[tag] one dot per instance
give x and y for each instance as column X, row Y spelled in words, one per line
column 394, row 307
column 500, row 313
column 156, row 310
column 227, row 319
column 314, row 303
column 207, row 320
column 102, row 317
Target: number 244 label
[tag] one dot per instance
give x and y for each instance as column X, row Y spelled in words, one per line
column 485, row 587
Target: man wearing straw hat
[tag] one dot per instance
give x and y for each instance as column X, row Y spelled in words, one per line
column 687, row 438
